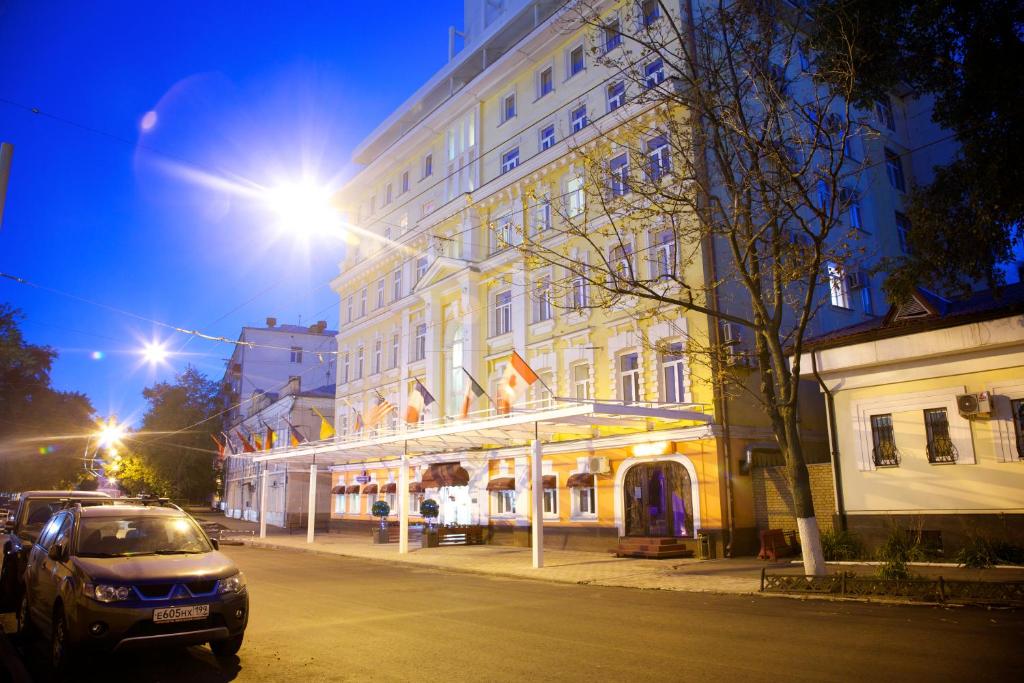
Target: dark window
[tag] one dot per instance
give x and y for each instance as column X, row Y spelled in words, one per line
column 940, row 446
column 894, row 169
column 903, row 232
column 883, row 111
column 295, row 355
column 650, row 11
column 884, row 452
column 612, row 35
column 1017, row 409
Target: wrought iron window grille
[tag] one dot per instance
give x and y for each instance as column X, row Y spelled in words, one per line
column 941, row 450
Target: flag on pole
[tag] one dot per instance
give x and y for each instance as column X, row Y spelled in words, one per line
column 247, row 447
column 357, row 425
column 269, row 437
column 379, row 411
column 473, row 390
column 419, row 399
column 229, row 448
column 294, row 435
column 518, row 377
column 326, row 428
column 220, row 447
column 257, row 440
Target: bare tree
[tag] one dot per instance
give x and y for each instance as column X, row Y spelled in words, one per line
column 717, row 183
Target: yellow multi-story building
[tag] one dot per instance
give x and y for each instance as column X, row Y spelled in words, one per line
column 484, row 156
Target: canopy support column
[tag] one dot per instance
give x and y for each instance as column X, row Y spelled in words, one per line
column 537, row 504
column 263, row 502
column 311, row 525
column 403, row 504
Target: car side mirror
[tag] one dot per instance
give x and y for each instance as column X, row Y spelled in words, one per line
column 215, row 543
column 56, row 552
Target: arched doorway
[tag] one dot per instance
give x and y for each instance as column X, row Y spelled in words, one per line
column 657, row 500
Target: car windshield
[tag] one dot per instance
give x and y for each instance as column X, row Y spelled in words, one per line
column 127, row 535
column 37, row 513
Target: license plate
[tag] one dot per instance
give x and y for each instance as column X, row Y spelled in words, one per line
column 184, row 613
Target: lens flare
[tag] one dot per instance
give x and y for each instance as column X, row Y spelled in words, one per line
column 96, row 355
column 148, row 120
column 304, row 208
column 155, row 353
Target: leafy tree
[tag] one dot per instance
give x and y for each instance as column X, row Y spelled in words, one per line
column 178, row 450
column 43, row 432
column 135, row 476
column 968, row 55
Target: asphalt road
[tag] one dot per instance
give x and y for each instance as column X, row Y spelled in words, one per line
column 325, row 618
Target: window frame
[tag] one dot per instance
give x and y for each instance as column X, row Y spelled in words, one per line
column 570, row 63
column 295, row 355
column 653, row 77
column 630, row 375
column 615, row 95
column 577, row 122
column 510, row 160
column 420, row 342
column 502, row 312
column 549, row 139
column 550, row 81
column 673, row 373
column 894, row 170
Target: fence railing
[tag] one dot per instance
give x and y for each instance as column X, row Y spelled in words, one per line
column 924, row 590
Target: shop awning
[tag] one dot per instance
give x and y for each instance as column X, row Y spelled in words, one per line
column 338, row 489
column 445, row 474
column 415, row 487
column 370, row 488
column 580, row 480
column 390, row 487
column 502, row 484
column 352, row 488
column 549, row 481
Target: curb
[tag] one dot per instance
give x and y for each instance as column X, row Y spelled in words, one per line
column 11, row 662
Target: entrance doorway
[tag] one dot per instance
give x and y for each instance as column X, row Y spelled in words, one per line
column 657, row 499
column 455, row 506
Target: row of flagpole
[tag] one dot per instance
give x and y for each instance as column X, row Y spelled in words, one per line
column 515, row 381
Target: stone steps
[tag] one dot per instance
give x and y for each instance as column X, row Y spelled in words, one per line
column 650, row 547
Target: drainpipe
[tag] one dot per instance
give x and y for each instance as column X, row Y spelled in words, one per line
column 721, row 401
column 833, row 443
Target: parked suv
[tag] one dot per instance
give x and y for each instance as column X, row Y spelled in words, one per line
column 128, row 574
column 30, row 513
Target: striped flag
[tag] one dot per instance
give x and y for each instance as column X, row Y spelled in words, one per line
column 379, row 411
column 419, row 399
column 247, row 447
column 473, row 390
column 517, row 379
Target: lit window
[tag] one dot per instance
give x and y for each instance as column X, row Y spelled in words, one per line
column 629, row 377
column 673, row 368
column 295, row 355
column 576, row 61
column 581, row 382
column 839, row 290
column 509, row 160
column 1017, row 411
column 574, row 198
column 654, row 73
column 503, row 313
column 659, row 162
column 616, row 95
column 545, row 82
column 339, row 504
column 547, row 137
column 578, row 119
column 894, row 169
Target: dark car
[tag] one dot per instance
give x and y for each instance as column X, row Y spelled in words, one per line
column 30, row 513
column 112, row 577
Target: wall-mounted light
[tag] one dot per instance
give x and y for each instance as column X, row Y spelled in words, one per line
column 654, row 448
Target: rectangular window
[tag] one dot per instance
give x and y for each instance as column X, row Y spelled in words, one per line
column 545, row 82
column 903, row 232
column 1017, row 412
column 654, row 73
column 802, row 58
column 586, row 501
column 503, row 313
column 894, row 169
column 551, row 502
column 839, row 288
column 509, row 160
column 344, row 367
column 581, row 382
column 381, row 288
column 542, row 215
column 579, row 295
column 348, row 310
column 665, row 254
column 542, row 300
column 547, row 137
column 612, row 35
column 353, row 503
column 618, row 171
column 428, row 165
column 405, row 182
column 373, row 203
column 578, row 119
column 387, row 194
column 940, row 446
column 883, row 450
column 359, row 362
column 339, row 504
column 629, row 377
column 576, row 61
column 650, row 10
column 673, row 367
column 508, row 107
column 504, row 502
column 505, row 234
column 396, row 285
column 395, row 345
column 851, row 198
column 616, row 93
column 420, row 343
column 295, row 355
column 823, row 195
column 414, row 500
column 574, row 198
column 621, row 258
column 659, row 162
column 378, row 353
column 421, row 268
column 883, row 112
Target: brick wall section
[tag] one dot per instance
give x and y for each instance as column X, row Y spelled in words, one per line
column 773, row 502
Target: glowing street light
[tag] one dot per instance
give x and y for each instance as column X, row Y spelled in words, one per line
column 110, row 433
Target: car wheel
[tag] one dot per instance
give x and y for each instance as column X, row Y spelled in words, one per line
column 24, row 618
column 61, row 650
column 227, row 647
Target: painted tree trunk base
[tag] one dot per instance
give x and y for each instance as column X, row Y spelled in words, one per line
column 810, row 546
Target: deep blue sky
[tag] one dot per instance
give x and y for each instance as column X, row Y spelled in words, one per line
column 260, row 91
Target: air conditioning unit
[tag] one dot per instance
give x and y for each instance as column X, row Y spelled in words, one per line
column 974, row 405
column 730, row 333
column 857, row 280
column 598, row 465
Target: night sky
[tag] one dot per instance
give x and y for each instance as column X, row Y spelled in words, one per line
column 142, row 211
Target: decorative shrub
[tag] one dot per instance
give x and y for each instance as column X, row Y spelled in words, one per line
column 897, row 550
column 380, row 509
column 841, row 545
column 430, row 509
column 981, row 553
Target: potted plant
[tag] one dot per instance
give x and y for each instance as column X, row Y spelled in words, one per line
column 381, row 509
column 429, row 509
